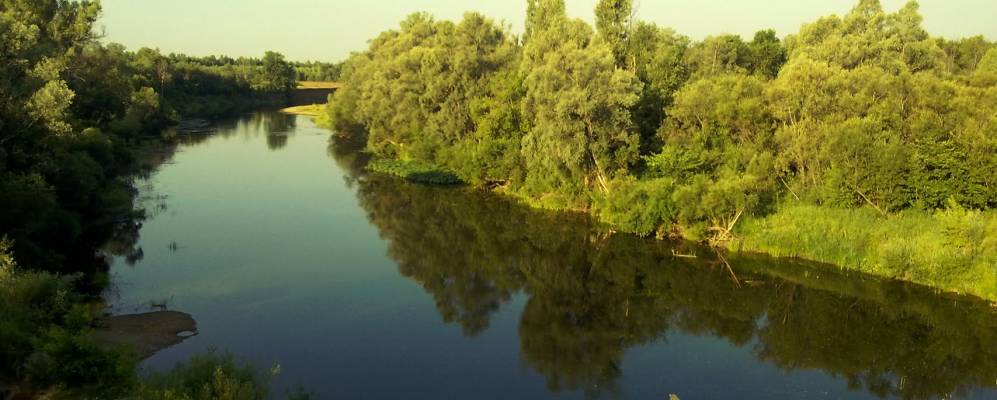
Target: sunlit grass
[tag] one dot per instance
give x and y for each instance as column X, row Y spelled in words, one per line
column 312, row 110
column 954, row 250
column 319, row 85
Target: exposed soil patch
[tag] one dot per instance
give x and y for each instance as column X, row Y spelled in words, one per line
column 147, row 333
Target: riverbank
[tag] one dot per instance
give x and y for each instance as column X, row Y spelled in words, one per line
column 676, row 147
column 484, row 273
column 145, row 334
column 415, row 172
column 952, row 250
column 57, row 343
column 216, row 106
column 313, row 110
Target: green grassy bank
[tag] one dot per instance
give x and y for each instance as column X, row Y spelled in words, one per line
column 415, row 171
column 952, row 250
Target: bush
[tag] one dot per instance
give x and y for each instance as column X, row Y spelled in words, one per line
column 45, row 337
column 642, row 207
column 209, row 376
column 29, row 303
column 415, row 171
column 70, row 358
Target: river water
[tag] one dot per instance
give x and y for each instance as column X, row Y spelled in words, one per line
column 366, row 287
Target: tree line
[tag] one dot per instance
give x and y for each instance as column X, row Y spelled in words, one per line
column 78, row 119
column 660, row 134
column 73, row 110
column 860, row 140
column 317, row 71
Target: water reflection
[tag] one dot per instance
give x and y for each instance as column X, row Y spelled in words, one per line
column 592, row 296
column 276, row 141
column 276, row 126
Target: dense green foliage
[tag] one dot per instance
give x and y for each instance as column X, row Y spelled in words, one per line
column 72, row 111
column 44, row 336
column 213, row 86
column 317, row 71
column 659, row 134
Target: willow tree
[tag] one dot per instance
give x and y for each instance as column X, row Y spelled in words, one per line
column 963, row 55
column 427, row 92
column 718, row 151
column 577, row 102
column 868, row 36
column 38, row 40
column 718, row 55
column 541, row 14
column 278, row 74
column 478, row 89
column 869, row 114
column 657, row 56
column 985, row 73
column 766, row 54
column 613, row 20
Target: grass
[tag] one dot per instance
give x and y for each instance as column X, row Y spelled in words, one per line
column 415, row 171
column 312, row 110
column 319, row 85
column 953, row 250
column 211, row 375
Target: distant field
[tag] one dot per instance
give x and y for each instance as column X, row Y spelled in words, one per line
column 319, row 85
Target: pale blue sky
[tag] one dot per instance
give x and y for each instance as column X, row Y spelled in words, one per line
column 329, row 30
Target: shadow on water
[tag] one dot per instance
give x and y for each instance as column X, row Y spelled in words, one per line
column 593, row 295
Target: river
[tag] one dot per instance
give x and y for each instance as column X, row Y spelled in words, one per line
column 366, row 287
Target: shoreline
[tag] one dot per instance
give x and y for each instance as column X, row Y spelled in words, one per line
column 147, row 333
column 757, row 235
column 312, row 110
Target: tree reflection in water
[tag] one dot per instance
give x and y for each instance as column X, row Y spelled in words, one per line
column 592, row 295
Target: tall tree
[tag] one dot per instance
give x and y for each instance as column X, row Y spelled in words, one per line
column 964, row 54
column 278, row 74
column 718, row 55
column 766, row 54
column 613, row 20
column 658, row 56
column 541, row 14
column 578, row 103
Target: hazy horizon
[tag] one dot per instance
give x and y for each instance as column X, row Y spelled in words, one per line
column 312, row 30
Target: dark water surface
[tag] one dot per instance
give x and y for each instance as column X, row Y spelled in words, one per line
column 365, row 287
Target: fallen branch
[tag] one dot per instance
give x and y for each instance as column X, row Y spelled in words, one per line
column 729, row 268
column 789, row 188
column 856, row 189
column 679, row 255
column 724, row 232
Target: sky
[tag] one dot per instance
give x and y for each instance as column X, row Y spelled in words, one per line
column 328, row 30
